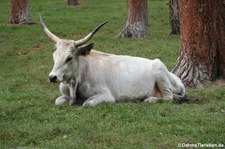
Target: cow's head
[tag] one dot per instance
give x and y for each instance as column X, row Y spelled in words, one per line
column 66, row 54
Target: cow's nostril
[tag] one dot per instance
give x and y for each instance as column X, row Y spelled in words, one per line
column 53, row 78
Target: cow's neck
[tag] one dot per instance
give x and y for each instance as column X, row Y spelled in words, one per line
column 82, row 68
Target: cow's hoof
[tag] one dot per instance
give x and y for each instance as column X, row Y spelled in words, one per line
column 60, row 100
column 151, row 99
column 72, row 102
column 89, row 103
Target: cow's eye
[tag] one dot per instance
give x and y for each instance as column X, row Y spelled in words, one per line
column 69, row 59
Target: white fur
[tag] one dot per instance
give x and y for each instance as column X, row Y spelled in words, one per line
column 101, row 77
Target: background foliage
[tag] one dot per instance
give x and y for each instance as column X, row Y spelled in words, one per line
column 29, row 118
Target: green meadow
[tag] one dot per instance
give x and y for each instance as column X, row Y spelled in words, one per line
column 29, row 118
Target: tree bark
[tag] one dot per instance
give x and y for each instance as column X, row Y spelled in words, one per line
column 19, row 12
column 202, row 52
column 174, row 17
column 72, row 2
column 136, row 24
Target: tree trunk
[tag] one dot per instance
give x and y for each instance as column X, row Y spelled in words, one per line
column 136, row 24
column 72, row 2
column 19, row 12
column 202, row 53
column 174, row 17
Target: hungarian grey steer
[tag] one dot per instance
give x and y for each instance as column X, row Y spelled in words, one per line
column 95, row 77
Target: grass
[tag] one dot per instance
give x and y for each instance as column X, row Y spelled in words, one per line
column 28, row 117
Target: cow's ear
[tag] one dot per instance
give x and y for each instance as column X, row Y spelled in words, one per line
column 85, row 49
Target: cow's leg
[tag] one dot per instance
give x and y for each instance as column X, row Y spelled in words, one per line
column 165, row 90
column 64, row 89
column 72, row 92
column 99, row 98
column 151, row 99
column 164, row 85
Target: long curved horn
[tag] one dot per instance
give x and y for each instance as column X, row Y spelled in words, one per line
column 48, row 33
column 89, row 36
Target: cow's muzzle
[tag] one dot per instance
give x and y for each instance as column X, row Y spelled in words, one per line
column 52, row 78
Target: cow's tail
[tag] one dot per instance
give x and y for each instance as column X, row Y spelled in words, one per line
column 181, row 99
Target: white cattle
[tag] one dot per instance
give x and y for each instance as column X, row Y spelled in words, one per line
column 97, row 77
